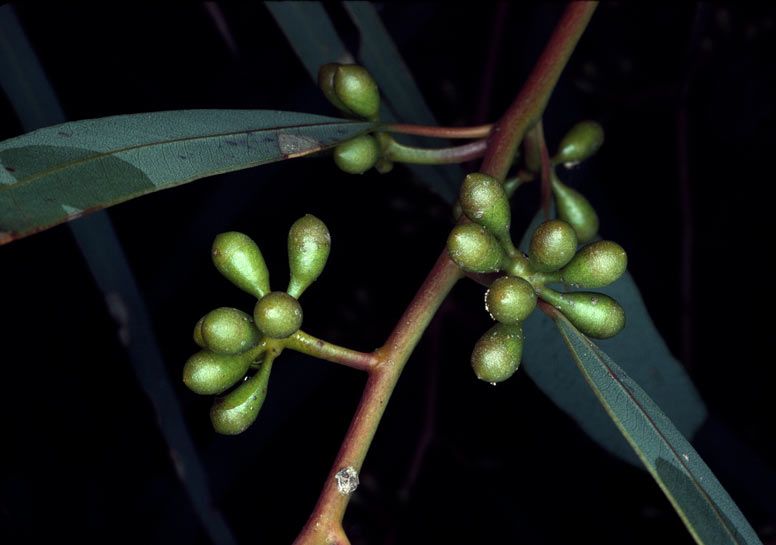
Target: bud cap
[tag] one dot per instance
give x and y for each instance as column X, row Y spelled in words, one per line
column 236, row 411
column 239, row 259
column 278, row 315
column 553, row 244
column 596, row 265
column 497, row 353
column 484, row 201
column 475, row 249
column 510, row 300
column 594, row 314
column 575, row 209
column 357, row 155
column 208, row 373
column 357, row 90
column 309, row 243
column 581, row 142
column 228, row 331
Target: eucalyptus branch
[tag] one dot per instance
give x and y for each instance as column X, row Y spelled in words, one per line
column 325, row 523
column 527, row 108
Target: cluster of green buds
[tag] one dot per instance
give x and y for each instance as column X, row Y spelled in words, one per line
column 234, row 343
column 351, row 89
column 484, row 245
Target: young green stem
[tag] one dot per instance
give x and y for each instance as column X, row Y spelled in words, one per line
column 312, row 346
column 481, row 131
column 399, row 153
column 325, row 524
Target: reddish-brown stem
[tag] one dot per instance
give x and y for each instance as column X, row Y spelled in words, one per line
column 325, row 524
column 481, row 131
column 527, row 108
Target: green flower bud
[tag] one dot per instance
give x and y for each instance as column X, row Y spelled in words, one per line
column 208, row 373
column 198, row 333
column 596, row 265
column 237, row 410
column 326, row 84
column 278, row 315
column 309, row 243
column 357, row 90
column 484, row 201
column 497, row 354
column 510, row 300
column 475, row 249
column 239, row 259
column 228, row 331
column 575, row 209
column 553, row 244
column 357, row 155
column 594, row 314
column 581, row 142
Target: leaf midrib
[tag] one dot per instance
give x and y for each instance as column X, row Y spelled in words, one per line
column 616, row 378
column 100, row 155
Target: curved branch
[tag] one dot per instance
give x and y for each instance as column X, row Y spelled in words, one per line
column 325, row 524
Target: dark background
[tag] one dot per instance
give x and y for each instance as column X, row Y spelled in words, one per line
column 685, row 94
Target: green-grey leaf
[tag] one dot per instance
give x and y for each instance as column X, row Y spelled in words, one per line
column 704, row 506
column 311, row 34
column 313, row 37
column 639, row 349
column 62, row 172
column 405, row 102
column 381, row 56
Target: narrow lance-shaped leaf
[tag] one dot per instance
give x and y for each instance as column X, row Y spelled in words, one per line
column 639, row 349
column 704, row 506
column 62, row 172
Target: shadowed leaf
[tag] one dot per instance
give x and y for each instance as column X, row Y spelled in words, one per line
column 59, row 173
column 704, row 506
column 639, row 349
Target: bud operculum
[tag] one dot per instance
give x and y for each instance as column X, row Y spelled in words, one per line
column 278, row 315
column 510, row 300
column 496, row 355
column 228, row 331
column 357, row 155
column 580, row 143
column 552, row 246
column 576, row 210
column 596, row 265
column 357, row 90
column 475, row 249
column 233, row 413
column 484, row 201
column 309, row 244
column 239, row 259
column 594, row 314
